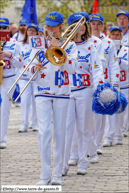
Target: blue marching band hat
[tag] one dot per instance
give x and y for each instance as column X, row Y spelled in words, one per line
column 32, row 25
column 23, row 21
column 74, row 17
column 96, row 16
column 107, row 100
column 4, row 21
column 123, row 12
column 53, row 18
column 40, row 28
column 113, row 27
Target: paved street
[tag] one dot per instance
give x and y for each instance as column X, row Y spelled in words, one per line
column 20, row 164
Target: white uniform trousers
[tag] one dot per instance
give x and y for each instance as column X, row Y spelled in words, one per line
column 92, row 146
column 5, row 105
column 70, row 128
column 83, row 112
column 28, row 104
column 44, row 106
column 124, row 118
column 100, row 122
column 113, row 130
column 74, row 147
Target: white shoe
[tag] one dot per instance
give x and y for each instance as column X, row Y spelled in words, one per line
column 99, row 151
column 81, row 171
column 107, row 144
column 72, row 162
column 2, row 145
column 44, row 182
column 22, row 130
column 35, row 128
column 64, row 171
column 125, row 134
column 57, row 181
column 94, row 159
column 118, row 142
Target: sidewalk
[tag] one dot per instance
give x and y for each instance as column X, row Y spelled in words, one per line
column 20, row 164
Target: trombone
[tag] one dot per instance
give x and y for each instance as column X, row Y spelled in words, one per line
column 54, row 54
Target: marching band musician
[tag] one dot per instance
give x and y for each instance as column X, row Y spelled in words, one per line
column 27, row 98
column 19, row 36
column 100, row 51
column 111, row 72
column 52, row 92
column 119, row 122
column 87, row 76
column 11, row 55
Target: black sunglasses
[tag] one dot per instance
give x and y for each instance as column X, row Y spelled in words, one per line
column 22, row 25
column 3, row 27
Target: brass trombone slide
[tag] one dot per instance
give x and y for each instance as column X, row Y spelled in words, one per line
column 54, row 54
column 35, row 56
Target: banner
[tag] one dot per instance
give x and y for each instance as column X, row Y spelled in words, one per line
column 29, row 11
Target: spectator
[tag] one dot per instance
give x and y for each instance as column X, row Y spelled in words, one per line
column 13, row 28
column 108, row 25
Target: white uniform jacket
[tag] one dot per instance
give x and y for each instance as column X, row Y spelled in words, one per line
column 89, row 72
column 26, row 50
column 112, row 69
column 54, row 81
column 15, row 61
column 126, row 37
column 99, row 47
column 18, row 36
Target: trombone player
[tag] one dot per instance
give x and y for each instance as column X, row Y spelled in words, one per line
column 52, row 93
column 11, row 55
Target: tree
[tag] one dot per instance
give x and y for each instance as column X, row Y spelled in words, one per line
column 113, row 3
column 66, row 7
column 3, row 4
column 108, row 9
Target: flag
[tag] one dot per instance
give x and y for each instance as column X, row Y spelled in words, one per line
column 29, row 11
column 94, row 8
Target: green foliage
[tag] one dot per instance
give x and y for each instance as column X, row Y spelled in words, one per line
column 113, row 2
column 3, row 4
column 108, row 9
column 109, row 13
column 66, row 7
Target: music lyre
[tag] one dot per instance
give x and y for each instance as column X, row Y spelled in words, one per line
column 4, row 36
